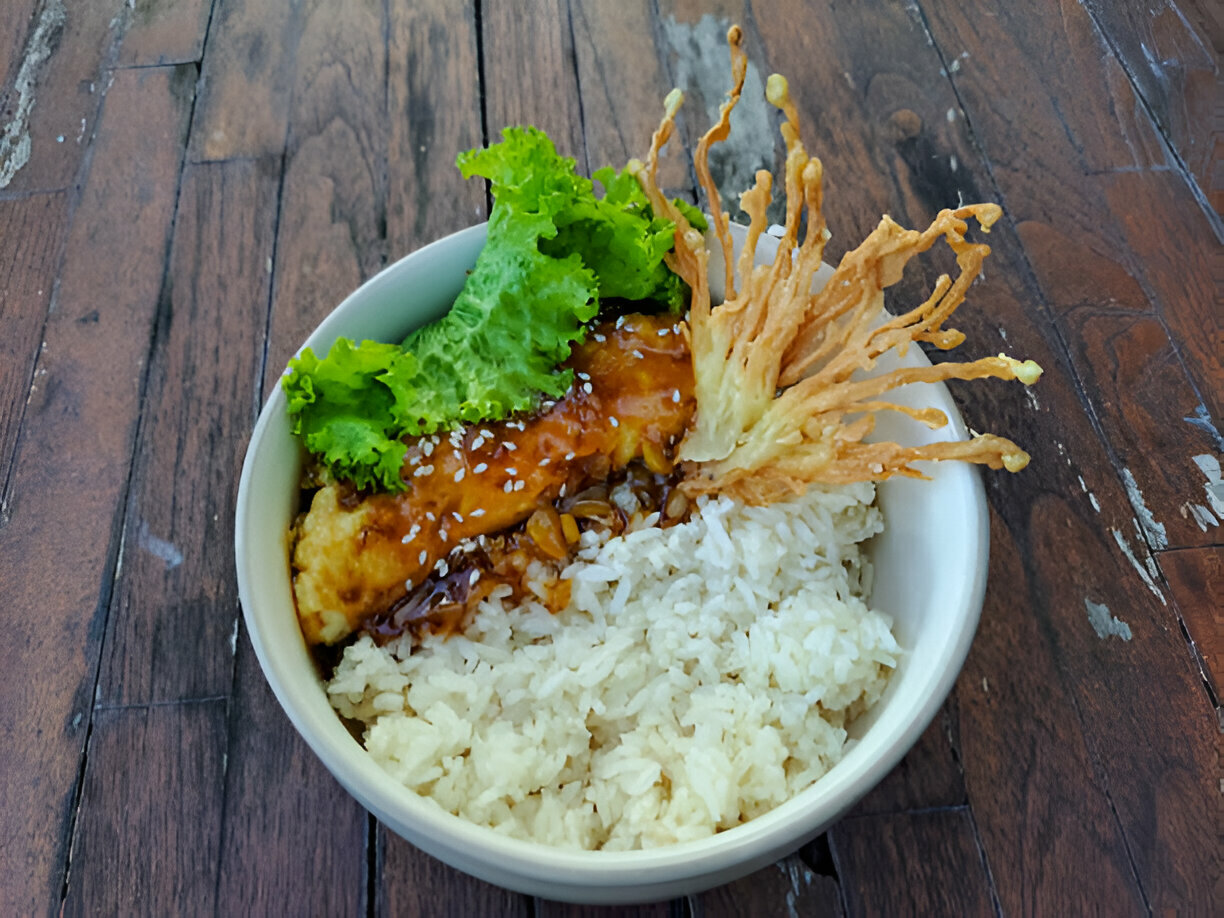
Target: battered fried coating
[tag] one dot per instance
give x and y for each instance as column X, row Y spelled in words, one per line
column 780, row 399
column 632, row 399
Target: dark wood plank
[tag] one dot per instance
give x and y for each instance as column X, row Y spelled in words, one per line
column 788, row 887
column 623, row 81
column 332, row 206
column 930, row 774
column 1045, row 822
column 550, row 908
column 1196, row 581
column 912, row 864
column 30, row 250
column 146, row 840
column 529, row 72
column 1132, row 370
column 164, row 32
column 175, row 604
column 1170, row 58
column 61, row 541
column 246, row 81
column 414, row 885
column 49, row 113
column 293, row 842
column 433, row 110
column 1177, row 256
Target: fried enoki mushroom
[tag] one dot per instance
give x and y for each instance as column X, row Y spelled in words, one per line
column 779, row 402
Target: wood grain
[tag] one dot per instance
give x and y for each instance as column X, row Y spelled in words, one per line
column 293, row 841
column 434, row 113
column 623, row 81
column 71, row 470
column 1171, row 60
column 165, row 32
column 175, row 604
column 1045, row 822
column 930, row 774
column 787, row 887
column 246, row 81
column 529, row 72
column 883, row 874
column 146, row 840
column 414, row 885
column 332, row 217
column 548, row 908
column 1180, row 260
column 64, row 91
column 1196, row 580
column 30, row 250
column 1132, row 371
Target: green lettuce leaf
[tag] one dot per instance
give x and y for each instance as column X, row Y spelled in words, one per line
column 554, row 248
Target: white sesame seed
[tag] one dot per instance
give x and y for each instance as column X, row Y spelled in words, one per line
column 620, row 321
column 429, row 516
column 511, row 471
column 478, row 512
column 587, row 388
column 481, row 467
column 545, row 461
column 519, row 485
column 600, row 338
column 442, row 567
column 676, row 328
column 486, row 434
column 615, row 422
column 664, row 332
column 473, row 577
column 676, row 396
column 458, row 517
column 428, row 447
column 561, row 493
column 423, row 470
column 584, row 375
column 508, row 445
column 415, row 460
column 407, row 584
column 459, row 474
column 478, row 443
column 442, row 535
column 422, row 557
column 569, row 456
column 637, row 354
column 508, row 487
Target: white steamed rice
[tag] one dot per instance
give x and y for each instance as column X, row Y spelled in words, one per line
column 700, row 676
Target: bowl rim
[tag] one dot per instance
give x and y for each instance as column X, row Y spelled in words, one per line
column 785, row 826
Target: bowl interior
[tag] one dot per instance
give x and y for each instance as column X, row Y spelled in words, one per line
column 929, row 562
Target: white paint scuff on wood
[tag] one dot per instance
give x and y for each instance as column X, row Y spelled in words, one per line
column 1155, row 532
column 15, row 141
column 1146, row 575
column 1104, row 622
column 158, row 547
column 1209, row 465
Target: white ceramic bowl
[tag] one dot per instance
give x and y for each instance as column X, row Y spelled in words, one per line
column 930, row 570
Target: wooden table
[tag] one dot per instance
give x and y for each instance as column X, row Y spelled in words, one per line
column 188, row 186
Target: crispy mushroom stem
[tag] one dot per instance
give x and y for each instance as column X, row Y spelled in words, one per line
column 783, row 399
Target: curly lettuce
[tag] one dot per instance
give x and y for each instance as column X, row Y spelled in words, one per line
column 554, row 249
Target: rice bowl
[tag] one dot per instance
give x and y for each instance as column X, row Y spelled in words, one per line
column 931, row 588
